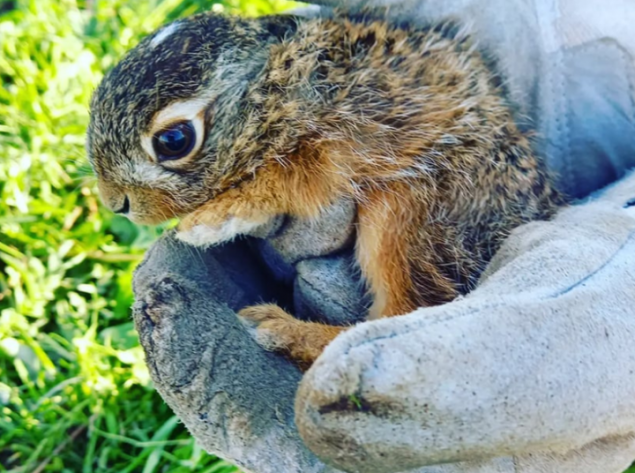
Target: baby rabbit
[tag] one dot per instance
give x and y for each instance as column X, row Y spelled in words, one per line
column 227, row 123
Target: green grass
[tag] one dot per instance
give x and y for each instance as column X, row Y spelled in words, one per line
column 75, row 395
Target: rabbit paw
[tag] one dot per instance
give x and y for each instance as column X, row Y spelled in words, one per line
column 276, row 330
column 271, row 327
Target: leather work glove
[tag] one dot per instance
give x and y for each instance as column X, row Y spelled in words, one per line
column 532, row 372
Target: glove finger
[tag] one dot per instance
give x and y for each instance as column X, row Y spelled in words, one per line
column 313, row 259
column 329, row 290
column 235, row 398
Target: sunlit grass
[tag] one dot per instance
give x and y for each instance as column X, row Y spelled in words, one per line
column 75, row 395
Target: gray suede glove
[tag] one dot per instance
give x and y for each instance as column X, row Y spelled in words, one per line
column 531, row 372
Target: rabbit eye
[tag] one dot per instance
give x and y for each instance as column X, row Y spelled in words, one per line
column 174, row 142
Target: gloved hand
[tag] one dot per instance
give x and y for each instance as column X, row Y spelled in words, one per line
column 531, row 372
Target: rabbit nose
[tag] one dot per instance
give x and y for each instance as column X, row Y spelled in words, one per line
column 111, row 195
column 125, row 207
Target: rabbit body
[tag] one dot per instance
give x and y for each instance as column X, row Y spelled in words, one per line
column 228, row 123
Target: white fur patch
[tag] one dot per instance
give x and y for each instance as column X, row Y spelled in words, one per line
column 205, row 236
column 164, row 34
column 179, row 111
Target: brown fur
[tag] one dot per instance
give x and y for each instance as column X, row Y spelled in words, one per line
column 409, row 122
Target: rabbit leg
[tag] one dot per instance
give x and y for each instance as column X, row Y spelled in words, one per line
column 388, row 227
column 397, row 250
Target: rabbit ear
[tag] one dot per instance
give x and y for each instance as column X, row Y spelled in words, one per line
column 280, row 26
